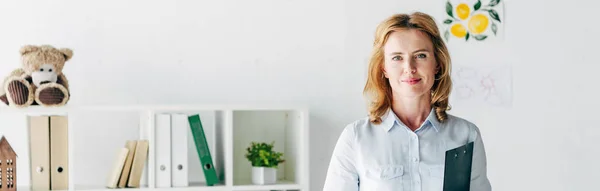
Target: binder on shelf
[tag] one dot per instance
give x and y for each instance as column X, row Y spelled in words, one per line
column 179, row 150
column 39, row 141
column 59, row 149
column 162, row 166
column 210, row 174
column 146, row 133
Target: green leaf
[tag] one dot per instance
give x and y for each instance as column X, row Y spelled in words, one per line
column 447, row 21
column 494, row 28
column 494, row 3
column 262, row 154
column 467, row 37
column 477, row 5
column 447, row 35
column 480, row 37
column 449, row 9
column 494, row 15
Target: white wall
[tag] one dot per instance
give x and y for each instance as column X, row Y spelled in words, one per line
column 314, row 52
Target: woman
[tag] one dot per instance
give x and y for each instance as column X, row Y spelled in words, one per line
column 401, row 145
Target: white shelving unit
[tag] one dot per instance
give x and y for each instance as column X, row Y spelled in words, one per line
column 97, row 132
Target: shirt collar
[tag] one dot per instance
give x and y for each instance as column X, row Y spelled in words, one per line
column 389, row 119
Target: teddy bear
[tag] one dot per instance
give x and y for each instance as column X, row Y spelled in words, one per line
column 40, row 80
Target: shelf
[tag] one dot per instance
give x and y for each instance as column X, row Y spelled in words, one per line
column 97, row 137
column 150, row 107
column 213, row 123
column 215, row 188
column 280, row 185
column 36, row 110
column 96, row 132
column 192, row 187
column 285, row 129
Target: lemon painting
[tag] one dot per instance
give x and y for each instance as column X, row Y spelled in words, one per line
column 473, row 19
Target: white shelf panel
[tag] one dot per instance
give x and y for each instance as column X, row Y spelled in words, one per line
column 280, row 185
column 181, row 107
column 37, row 110
column 215, row 188
column 192, row 187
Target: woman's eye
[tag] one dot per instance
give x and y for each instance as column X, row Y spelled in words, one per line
column 396, row 58
column 421, row 56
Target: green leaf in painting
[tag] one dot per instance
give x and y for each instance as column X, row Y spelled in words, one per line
column 447, row 21
column 494, row 3
column 494, row 28
column 477, row 5
column 480, row 37
column 494, row 15
column 467, row 37
column 449, row 9
column 447, row 35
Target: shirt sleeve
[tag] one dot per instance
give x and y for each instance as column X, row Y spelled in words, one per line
column 342, row 174
column 479, row 179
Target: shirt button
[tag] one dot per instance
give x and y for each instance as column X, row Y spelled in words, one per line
column 415, row 159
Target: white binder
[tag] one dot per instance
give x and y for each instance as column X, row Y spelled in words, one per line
column 180, row 129
column 163, row 150
column 146, row 123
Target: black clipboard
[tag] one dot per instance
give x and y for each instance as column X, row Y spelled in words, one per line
column 457, row 170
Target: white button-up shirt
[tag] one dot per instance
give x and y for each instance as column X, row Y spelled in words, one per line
column 390, row 156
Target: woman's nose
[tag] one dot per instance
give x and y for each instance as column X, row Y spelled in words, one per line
column 410, row 67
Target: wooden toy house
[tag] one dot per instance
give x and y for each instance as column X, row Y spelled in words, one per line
column 8, row 166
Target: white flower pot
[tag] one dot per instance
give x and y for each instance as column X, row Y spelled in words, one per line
column 264, row 175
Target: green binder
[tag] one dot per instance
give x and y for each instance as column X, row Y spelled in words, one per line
column 203, row 151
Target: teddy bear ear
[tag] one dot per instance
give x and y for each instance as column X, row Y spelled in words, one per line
column 27, row 49
column 67, row 52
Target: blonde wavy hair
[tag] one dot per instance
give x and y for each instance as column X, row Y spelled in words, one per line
column 377, row 88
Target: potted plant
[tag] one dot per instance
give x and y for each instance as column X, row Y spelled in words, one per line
column 264, row 162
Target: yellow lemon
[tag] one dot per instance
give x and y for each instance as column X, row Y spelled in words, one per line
column 458, row 30
column 478, row 23
column 462, row 11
